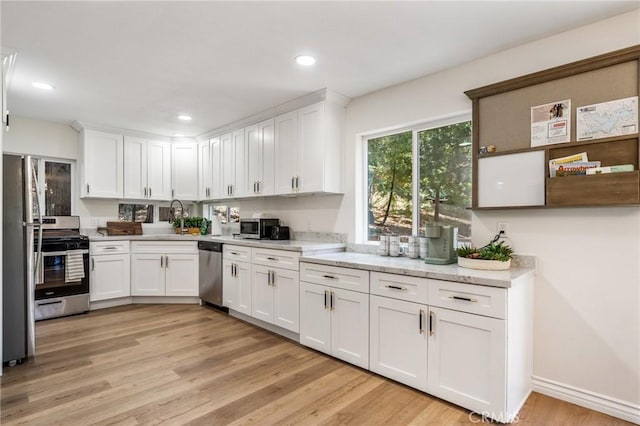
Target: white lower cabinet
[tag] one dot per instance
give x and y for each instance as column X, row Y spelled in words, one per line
column 335, row 321
column 164, row 269
column 399, row 343
column 236, row 285
column 466, row 362
column 275, row 296
column 110, row 270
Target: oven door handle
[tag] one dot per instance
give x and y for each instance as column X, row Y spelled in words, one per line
column 62, row 253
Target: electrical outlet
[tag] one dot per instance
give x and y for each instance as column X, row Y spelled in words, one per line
column 502, row 227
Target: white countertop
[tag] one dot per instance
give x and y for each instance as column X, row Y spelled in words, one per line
column 305, row 247
column 417, row 268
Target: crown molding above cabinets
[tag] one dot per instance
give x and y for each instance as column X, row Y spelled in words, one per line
column 80, row 125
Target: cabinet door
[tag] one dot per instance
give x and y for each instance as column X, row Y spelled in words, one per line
column 315, row 317
column 244, row 287
column 217, row 190
column 239, row 188
column 262, row 294
column 110, row 277
column 467, row 364
column 135, row 168
column 229, row 285
column 159, row 170
column 266, row 185
column 254, row 159
column 181, row 274
column 204, row 171
column 228, row 162
column 184, row 171
column 350, row 326
column 103, row 163
column 147, row 275
column 398, row 346
column 311, row 140
column 286, row 152
column 286, row 303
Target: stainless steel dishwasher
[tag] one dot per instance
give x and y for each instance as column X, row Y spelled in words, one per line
column 210, row 272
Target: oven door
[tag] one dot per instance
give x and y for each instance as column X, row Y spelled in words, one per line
column 53, row 279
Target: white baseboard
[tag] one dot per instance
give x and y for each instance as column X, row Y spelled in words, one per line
column 614, row 407
column 143, row 300
column 273, row 328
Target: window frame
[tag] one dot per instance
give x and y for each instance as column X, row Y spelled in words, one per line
column 446, row 120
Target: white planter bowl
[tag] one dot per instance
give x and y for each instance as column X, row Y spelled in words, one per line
column 487, row 265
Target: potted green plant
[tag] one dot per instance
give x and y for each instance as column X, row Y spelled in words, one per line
column 195, row 225
column 495, row 256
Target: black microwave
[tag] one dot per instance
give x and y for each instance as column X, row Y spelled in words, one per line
column 257, row 228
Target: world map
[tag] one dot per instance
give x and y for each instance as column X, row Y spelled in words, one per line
column 614, row 118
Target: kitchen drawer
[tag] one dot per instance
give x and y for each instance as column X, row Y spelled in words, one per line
column 275, row 258
column 162, row 247
column 239, row 253
column 475, row 299
column 335, row 276
column 411, row 289
column 108, row 247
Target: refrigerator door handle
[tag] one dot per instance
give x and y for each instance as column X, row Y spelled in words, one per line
column 34, row 256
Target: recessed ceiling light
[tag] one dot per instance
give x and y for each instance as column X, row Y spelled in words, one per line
column 305, row 60
column 184, row 117
column 43, row 86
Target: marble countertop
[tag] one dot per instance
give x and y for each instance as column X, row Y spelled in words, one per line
column 305, row 247
column 417, row 268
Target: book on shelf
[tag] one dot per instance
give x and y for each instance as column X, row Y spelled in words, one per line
column 611, row 169
column 572, row 169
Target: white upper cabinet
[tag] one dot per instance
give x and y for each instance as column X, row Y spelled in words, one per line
column 101, row 164
column 286, row 152
column 204, row 171
column 184, row 171
column 234, row 169
column 159, row 170
column 308, row 146
column 260, row 158
column 135, row 167
column 215, row 148
column 147, row 169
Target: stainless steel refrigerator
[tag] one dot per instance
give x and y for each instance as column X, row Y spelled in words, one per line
column 18, row 258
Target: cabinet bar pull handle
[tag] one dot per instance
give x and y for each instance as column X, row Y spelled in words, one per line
column 421, row 321
column 93, row 264
column 273, row 278
column 145, row 191
column 464, row 299
column 431, row 315
column 326, row 293
column 272, row 258
column 331, row 277
column 259, row 183
column 87, row 188
column 162, row 261
column 149, row 191
column 396, row 287
column 292, row 180
column 111, row 248
column 333, row 306
column 235, row 253
column 166, row 262
column 172, row 193
column 297, row 182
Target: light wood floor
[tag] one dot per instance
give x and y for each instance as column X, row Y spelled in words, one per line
column 185, row 364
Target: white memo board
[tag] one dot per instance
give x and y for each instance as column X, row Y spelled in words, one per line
column 511, row 180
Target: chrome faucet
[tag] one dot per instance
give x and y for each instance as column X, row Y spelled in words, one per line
column 182, row 232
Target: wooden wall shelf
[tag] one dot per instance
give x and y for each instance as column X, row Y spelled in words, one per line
column 501, row 117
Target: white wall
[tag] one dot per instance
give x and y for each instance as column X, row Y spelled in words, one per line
column 42, row 138
column 587, row 307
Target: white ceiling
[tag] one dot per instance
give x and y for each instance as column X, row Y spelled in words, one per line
column 137, row 65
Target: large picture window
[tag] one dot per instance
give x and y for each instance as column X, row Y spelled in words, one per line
column 417, row 177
